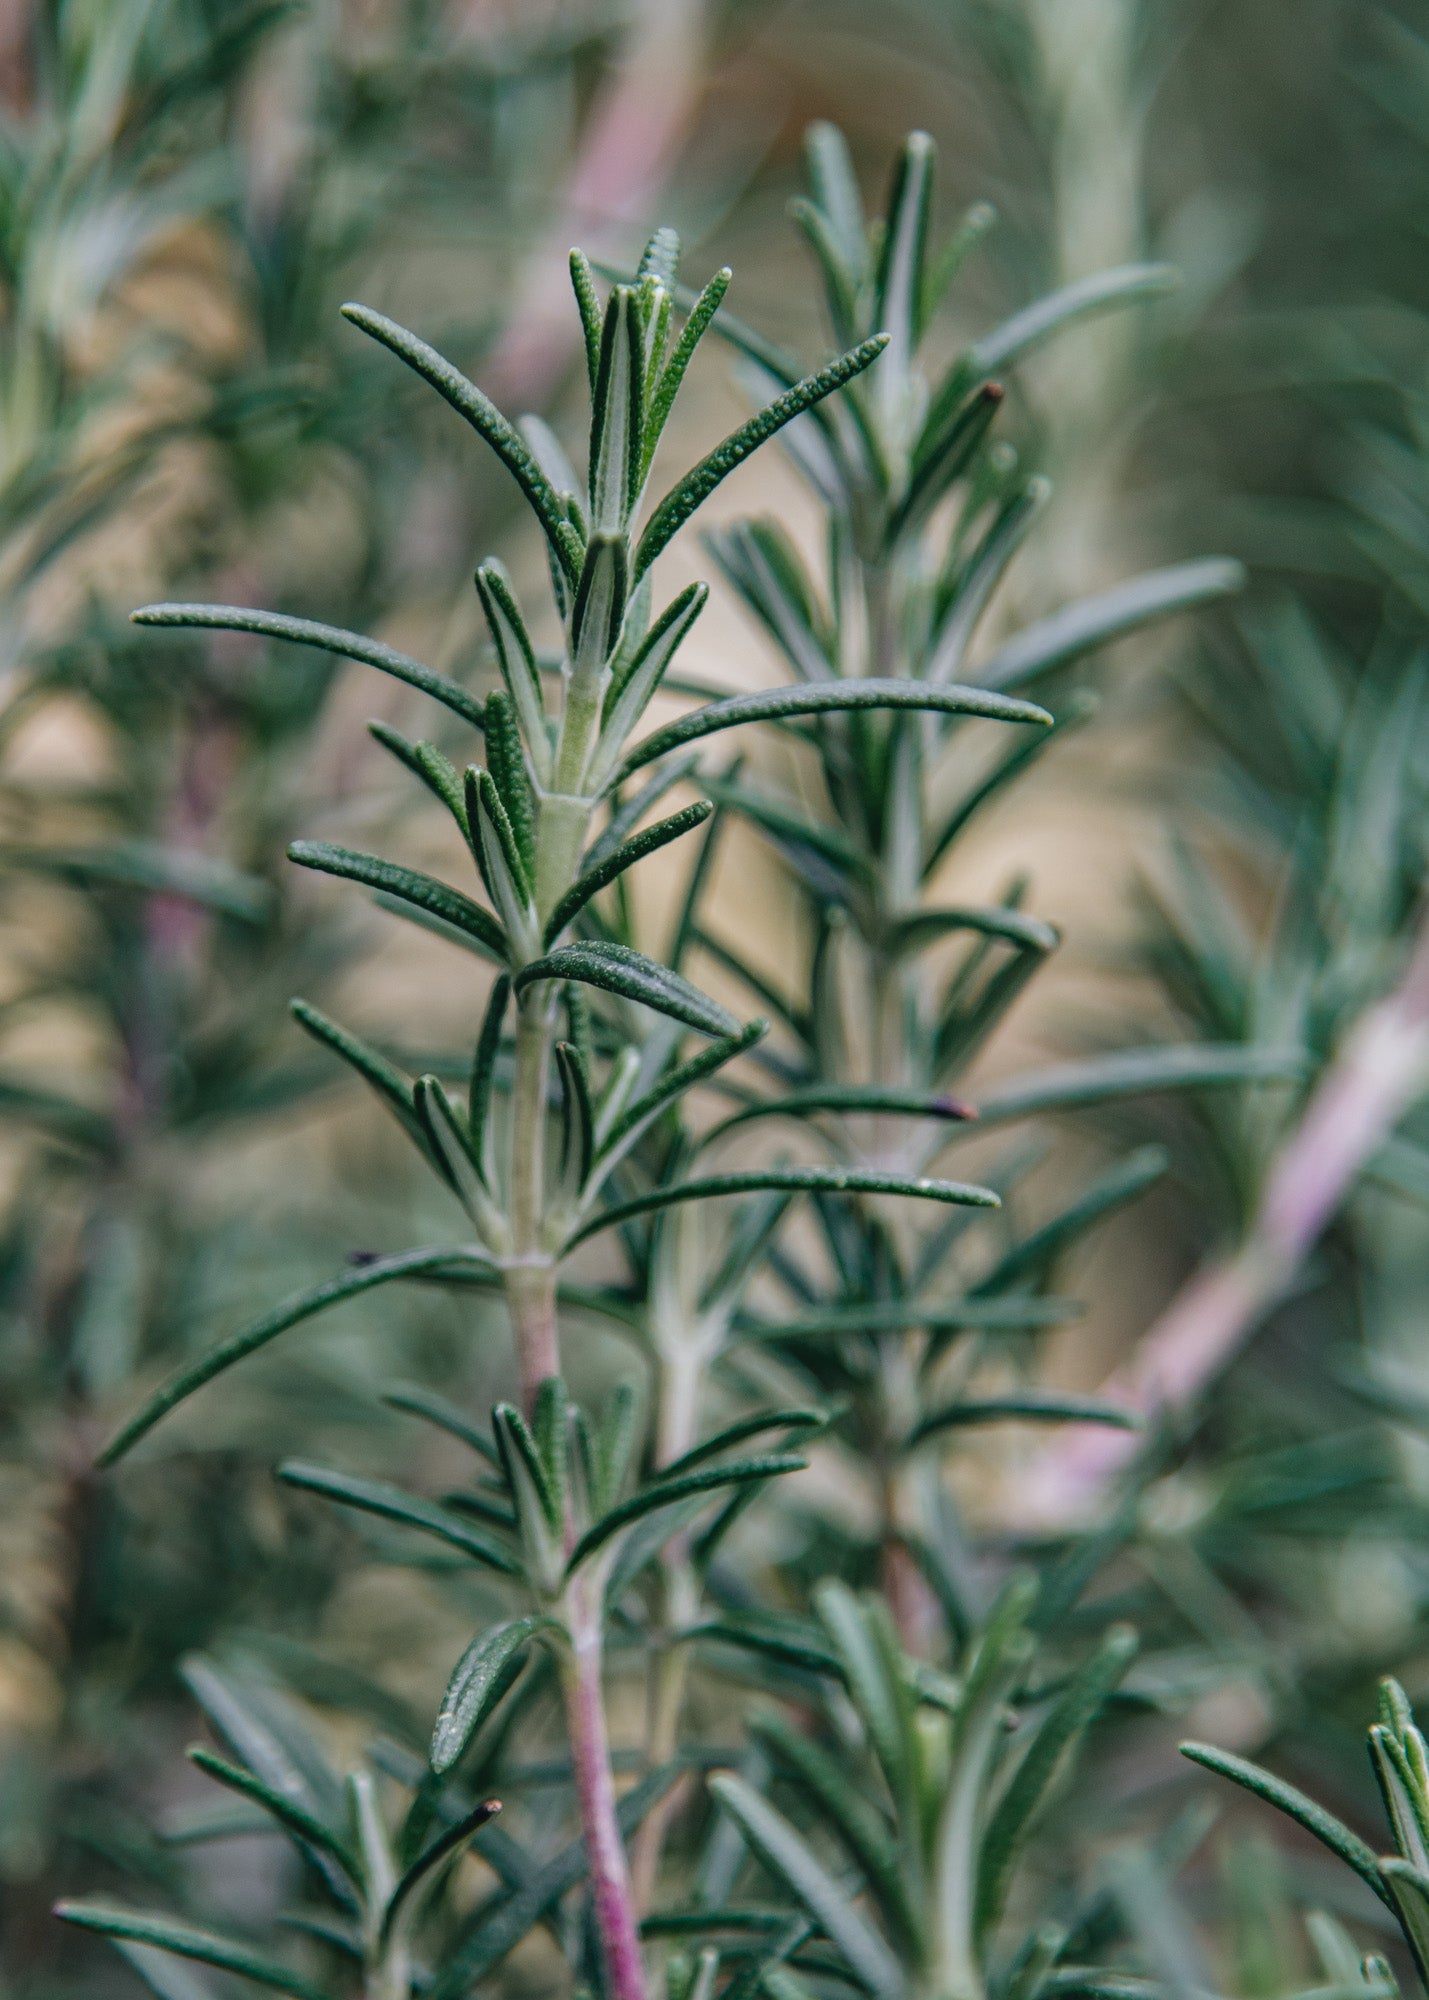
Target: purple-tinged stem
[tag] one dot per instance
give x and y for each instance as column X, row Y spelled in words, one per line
column 1381, row 1068
column 595, row 1788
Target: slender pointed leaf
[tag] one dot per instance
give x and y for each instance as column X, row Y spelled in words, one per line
column 615, row 968
column 1331, row 1832
column 327, row 638
column 625, row 856
column 390, row 1503
column 795, row 1180
column 1094, row 621
column 186, row 1941
column 785, row 1851
column 484, row 417
column 380, row 1271
column 835, row 697
column 697, row 485
column 408, row 885
column 1027, row 329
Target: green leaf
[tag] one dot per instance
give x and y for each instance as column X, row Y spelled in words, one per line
column 864, row 1830
column 630, row 692
column 150, row 865
column 480, row 1678
column 785, row 1851
column 525, row 1469
column 759, row 560
column 1027, row 329
column 588, row 302
column 666, row 1492
column 390, row 1503
column 1078, row 628
column 394, row 1089
column 445, row 1848
column 697, row 485
column 164, row 1934
column 617, row 422
column 1120, row 1184
column 947, row 456
column 673, row 1085
column 499, row 857
column 380, row 1271
column 662, row 398
column 855, row 1099
column 507, row 765
column 599, row 609
column 786, row 1641
column 1060, row 1729
column 1131, row 1073
column 625, row 856
column 483, row 1075
column 270, row 1736
column 739, row 1431
column 516, row 658
column 1331, row 1832
column 577, row 1115
column 498, row 1930
column 904, row 1315
column 615, row 968
column 795, row 1180
column 835, row 697
column 1410, row 1891
column 407, row 885
column 327, row 638
column 449, row 1145
column 428, row 764
column 835, row 188
column 447, row 1416
column 875, row 1679
column 304, row 1826
column 917, row 932
column 484, row 417
column 1026, row 1406
column 981, row 574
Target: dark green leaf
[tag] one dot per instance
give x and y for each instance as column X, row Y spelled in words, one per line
column 327, row 638
column 408, row 885
column 666, row 1492
column 480, row 1678
column 836, row 697
column 447, row 1845
column 293, row 1818
column 796, row 1180
column 625, row 856
column 738, row 1432
column 1333, row 1833
column 420, row 1402
column 697, row 485
column 615, row 968
column 1026, row 1406
column 786, row 1852
column 484, row 417
column 1173, row 1066
column 390, row 1503
column 380, row 1271
column 1065, row 1722
column 147, row 1928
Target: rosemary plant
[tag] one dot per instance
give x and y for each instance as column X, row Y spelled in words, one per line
column 576, row 1124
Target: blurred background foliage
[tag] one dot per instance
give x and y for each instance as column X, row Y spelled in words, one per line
column 1234, row 846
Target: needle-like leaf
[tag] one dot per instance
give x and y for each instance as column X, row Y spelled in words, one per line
column 327, row 638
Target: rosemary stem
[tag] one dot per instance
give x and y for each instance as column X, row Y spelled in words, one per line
column 611, row 1889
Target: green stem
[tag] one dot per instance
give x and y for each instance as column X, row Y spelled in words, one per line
column 531, row 1274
